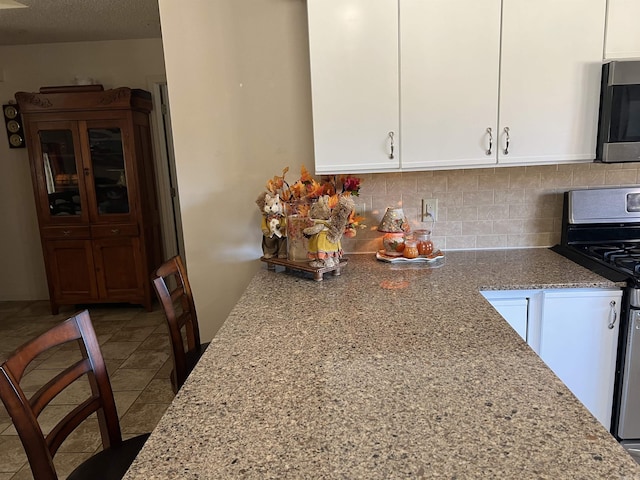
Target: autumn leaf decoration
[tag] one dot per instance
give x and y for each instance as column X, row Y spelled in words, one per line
column 307, row 188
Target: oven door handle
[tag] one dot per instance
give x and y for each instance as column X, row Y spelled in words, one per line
column 613, row 315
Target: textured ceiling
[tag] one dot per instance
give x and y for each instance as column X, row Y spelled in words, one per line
column 52, row 21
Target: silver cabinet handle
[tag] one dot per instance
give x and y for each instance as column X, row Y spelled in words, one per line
column 66, row 233
column 391, row 134
column 488, row 152
column 506, row 147
column 115, row 231
column 613, row 315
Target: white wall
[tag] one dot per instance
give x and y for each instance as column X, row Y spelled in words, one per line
column 239, row 89
column 127, row 63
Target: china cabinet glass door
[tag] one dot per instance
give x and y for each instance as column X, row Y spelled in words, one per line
column 61, row 192
column 109, row 173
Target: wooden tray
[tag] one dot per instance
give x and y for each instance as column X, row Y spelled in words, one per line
column 318, row 272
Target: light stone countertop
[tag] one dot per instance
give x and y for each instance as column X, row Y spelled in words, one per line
column 386, row 371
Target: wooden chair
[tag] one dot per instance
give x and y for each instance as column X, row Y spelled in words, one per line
column 110, row 463
column 172, row 287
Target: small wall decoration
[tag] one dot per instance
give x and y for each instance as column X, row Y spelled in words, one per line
column 13, row 124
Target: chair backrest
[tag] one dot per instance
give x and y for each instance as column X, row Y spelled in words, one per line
column 24, row 412
column 172, row 287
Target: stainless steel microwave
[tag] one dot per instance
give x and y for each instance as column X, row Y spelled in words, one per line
column 619, row 123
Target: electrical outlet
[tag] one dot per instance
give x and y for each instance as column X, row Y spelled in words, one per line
column 361, row 209
column 430, row 209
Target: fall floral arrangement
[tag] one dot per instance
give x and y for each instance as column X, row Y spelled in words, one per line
column 306, row 189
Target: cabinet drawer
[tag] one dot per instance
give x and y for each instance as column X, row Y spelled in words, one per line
column 66, row 232
column 103, row 231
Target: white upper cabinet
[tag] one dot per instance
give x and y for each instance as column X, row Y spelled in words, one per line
column 623, row 33
column 354, row 83
column 486, row 82
column 460, row 83
column 551, row 64
column 450, row 61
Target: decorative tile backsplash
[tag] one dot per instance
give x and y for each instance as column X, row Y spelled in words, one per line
column 484, row 208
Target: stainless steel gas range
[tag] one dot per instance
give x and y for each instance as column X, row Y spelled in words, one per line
column 601, row 231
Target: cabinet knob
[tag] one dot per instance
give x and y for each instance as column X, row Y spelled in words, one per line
column 86, row 172
column 115, row 231
column 391, row 134
column 66, row 233
column 613, row 314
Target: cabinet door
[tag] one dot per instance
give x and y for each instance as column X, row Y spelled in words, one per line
column 521, row 310
column 515, row 312
column 70, row 269
column 550, row 80
column 623, row 35
column 58, row 173
column 354, row 84
column 119, row 268
column 105, row 154
column 577, row 343
column 449, row 57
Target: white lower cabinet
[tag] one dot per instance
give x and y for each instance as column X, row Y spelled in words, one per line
column 517, row 307
column 575, row 332
column 578, row 341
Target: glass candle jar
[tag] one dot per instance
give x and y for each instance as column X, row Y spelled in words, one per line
column 410, row 248
column 425, row 245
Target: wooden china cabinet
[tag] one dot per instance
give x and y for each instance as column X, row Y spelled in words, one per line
column 93, row 178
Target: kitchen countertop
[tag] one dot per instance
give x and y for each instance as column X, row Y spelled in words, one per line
column 387, row 371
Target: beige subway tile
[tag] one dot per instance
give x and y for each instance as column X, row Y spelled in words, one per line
column 461, row 242
column 399, row 182
column 462, row 183
column 508, row 197
column 434, row 183
column 479, row 171
column 481, row 197
column 531, row 240
column 449, row 199
column 493, row 212
column 499, row 180
column 538, row 225
column 524, row 180
column 374, row 184
column 469, row 213
column 621, row 177
column 573, row 167
column 509, row 227
column 585, row 178
column 524, row 210
column 447, row 228
column 556, row 179
column 479, row 227
column 491, row 241
column 542, row 169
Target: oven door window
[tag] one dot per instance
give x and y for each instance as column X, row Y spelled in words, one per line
column 625, row 114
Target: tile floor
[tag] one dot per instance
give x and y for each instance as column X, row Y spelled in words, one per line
column 135, row 345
